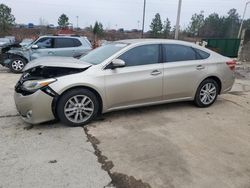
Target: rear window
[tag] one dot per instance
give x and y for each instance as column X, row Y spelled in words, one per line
column 202, row 54
column 66, row 43
column 176, row 52
column 77, row 42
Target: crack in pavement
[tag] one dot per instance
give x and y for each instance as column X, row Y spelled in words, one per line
column 8, row 116
column 119, row 180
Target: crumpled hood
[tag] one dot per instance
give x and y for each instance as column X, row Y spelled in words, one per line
column 66, row 62
column 3, row 43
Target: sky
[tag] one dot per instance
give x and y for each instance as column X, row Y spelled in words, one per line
column 116, row 14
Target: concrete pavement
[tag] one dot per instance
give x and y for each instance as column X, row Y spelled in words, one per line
column 179, row 145
column 172, row 145
column 43, row 156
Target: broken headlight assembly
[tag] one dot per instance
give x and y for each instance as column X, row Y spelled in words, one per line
column 31, row 86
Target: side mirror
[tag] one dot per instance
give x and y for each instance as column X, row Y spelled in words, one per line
column 34, row 47
column 116, row 63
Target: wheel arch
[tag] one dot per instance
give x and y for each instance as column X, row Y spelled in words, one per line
column 18, row 55
column 57, row 98
column 215, row 78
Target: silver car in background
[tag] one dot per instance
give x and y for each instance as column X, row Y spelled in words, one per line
column 120, row 75
column 4, row 42
column 66, row 46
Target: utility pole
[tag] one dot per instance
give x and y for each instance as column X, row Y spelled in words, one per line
column 244, row 13
column 143, row 19
column 177, row 26
column 77, row 17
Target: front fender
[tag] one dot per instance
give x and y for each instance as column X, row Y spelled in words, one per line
column 24, row 54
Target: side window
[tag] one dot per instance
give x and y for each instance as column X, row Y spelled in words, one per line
column 176, row 52
column 202, row 54
column 142, row 55
column 64, row 43
column 77, row 42
column 44, row 43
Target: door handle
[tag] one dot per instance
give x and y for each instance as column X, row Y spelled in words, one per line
column 200, row 67
column 155, row 73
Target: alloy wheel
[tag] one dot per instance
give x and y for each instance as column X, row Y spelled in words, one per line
column 17, row 65
column 79, row 108
column 208, row 93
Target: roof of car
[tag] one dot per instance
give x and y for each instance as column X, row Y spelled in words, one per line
column 165, row 41
column 149, row 40
column 62, row 36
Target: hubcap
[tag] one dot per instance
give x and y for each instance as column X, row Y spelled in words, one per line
column 208, row 93
column 79, row 109
column 17, row 65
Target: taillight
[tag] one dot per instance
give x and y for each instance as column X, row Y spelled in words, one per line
column 231, row 64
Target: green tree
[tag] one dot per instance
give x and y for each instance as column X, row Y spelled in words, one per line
column 6, row 19
column 98, row 29
column 246, row 24
column 232, row 24
column 167, row 28
column 213, row 26
column 197, row 22
column 63, row 21
column 156, row 26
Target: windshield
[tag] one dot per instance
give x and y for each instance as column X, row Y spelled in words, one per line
column 102, row 53
column 27, row 40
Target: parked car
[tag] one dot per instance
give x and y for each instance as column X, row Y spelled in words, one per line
column 11, row 38
column 26, row 42
column 68, row 46
column 4, row 42
column 120, row 75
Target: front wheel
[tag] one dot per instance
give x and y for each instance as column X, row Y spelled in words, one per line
column 17, row 64
column 77, row 107
column 206, row 93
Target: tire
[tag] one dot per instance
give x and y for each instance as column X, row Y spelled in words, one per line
column 204, row 98
column 17, row 64
column 77, row 107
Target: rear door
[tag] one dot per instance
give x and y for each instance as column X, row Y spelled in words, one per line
column 83, row 47
column 183, row 70
column 140, row 81
column 64, row 47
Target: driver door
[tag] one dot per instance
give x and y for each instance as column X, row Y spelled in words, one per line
column 139, row 82
column 45, row 48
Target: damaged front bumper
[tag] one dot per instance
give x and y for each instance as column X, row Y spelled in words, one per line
column 35, row 108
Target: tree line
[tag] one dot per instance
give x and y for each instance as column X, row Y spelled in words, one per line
column 212, row 26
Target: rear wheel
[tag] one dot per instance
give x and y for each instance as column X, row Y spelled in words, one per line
column 206, row 93
column 17, row 64
column 77, row 107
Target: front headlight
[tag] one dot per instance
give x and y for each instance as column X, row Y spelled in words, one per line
column 34, row 85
